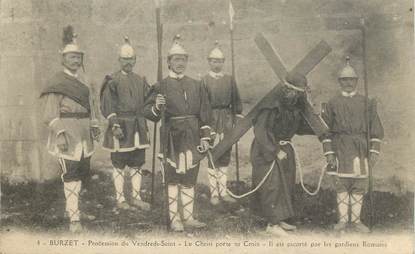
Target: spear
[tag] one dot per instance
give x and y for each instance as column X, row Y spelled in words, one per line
column 163, row 136
column 231, row 15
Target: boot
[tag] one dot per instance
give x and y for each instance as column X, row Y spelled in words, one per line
column 276, row 230
column 187, row 198
column 213, row 184
column 175, row 222
column 136, row 187
column 356, row 208
column 222, row 178
column 72, row 190
column 118, row 177
column 342, row 204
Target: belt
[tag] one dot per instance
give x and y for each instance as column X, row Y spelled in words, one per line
column 74, row 115
column 221, row 107
column 182, row 117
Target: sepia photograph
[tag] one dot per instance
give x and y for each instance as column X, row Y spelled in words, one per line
column 207, row 126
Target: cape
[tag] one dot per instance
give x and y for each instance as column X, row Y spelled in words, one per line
column 69, row 86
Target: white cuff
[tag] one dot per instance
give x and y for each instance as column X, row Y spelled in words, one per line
column 375, row 140
column 329, row 152
column 240, row 115
column 153, row 111
column 111, row 115
column 205, row 138
column 326, row 141
column 116, row 125
column 205, row 127
column 374, row 151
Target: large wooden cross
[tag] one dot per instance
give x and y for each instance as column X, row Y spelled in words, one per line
column 307, row 64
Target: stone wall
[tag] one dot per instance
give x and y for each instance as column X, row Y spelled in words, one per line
column 31, row 40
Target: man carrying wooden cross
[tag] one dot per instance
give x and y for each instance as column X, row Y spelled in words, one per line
column 278, row 116
column 274, row 128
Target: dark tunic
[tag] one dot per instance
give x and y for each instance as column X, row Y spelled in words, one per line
column 226, row 103
column 345, row 117
column 122, row 102
column 273, row 200
column 187, row 119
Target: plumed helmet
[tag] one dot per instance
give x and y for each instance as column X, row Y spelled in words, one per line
column 296, row 81
column 126, row 50
column 347, row 71
column 216, row 53
column 69, row 41
column 177, row 48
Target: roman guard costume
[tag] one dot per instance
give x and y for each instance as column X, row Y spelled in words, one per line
column 187, row 121
column 226, row 106
column 346, row 118
column 70, row 116
column 122, row 100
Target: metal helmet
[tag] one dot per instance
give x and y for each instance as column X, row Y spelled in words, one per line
column 176, row 48
column 126, row 50
column 347, row 71
column 69, row 41
column 216, row 53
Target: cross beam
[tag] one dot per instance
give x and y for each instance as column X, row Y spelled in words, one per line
column 307, row 64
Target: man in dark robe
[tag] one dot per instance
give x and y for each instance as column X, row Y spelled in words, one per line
column 122, row 101
column 346, row 147
column 271, row 149
column 187, row 125
column 226, row 106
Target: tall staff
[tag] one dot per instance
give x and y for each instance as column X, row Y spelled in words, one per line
column 231, row 15
column 368, row 136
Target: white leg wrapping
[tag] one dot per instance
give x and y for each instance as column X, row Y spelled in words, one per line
column 118, row 177
column 136, row 178
column 173, row 192
column 222, row 178
column 343, row 203
column 356, row 206
column 72, row 190
column 187, row 198
column 213, row 183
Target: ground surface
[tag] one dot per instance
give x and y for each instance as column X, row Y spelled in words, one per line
column 40, row 208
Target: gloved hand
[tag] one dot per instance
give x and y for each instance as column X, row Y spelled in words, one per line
column 117, row 132
column 160, row 101
column 95, row 133
column 204, row 145
column 331, row 161
column 62, row 142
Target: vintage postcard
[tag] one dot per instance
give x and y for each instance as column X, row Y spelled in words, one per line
column 207, row 126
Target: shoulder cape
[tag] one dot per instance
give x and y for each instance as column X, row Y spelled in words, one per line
column 70, row 87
